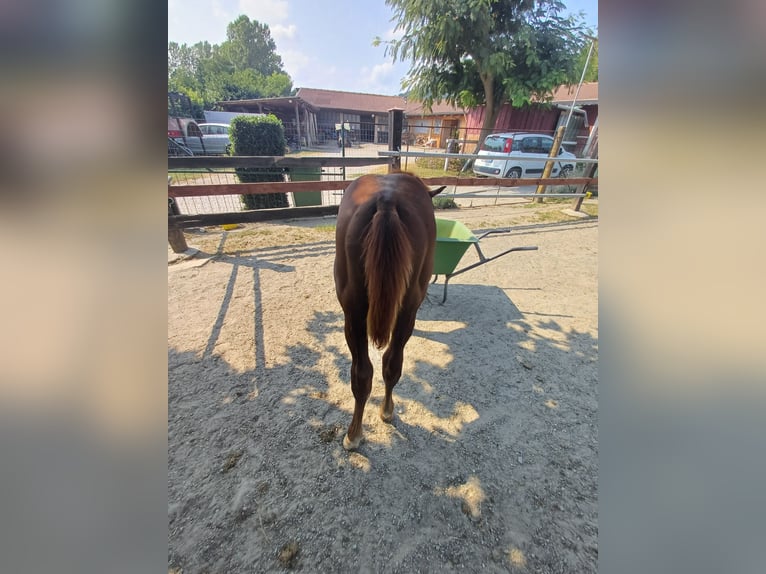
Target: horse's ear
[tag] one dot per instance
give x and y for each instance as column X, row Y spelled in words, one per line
column 435, row 192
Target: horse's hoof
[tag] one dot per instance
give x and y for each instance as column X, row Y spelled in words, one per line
column 349, row 444
column 386, row 417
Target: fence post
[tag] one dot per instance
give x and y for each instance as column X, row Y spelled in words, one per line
column 549, row 164
column 176, row 236
column 589, row 171
column 395, row 127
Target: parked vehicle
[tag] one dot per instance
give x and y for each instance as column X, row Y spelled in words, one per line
column 216, row 137
column 186, row 133
column 519, row 148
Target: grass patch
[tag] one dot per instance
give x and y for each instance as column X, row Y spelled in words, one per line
column 422, row 172
column 591, row 208
column 178, row 178
column 453, row 165
column 264, row 235
column 376, row 170
column 557, row 200
column 438, row 171
column 551, row 217
column 192, row 174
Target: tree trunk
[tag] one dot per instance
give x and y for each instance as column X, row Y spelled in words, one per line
column 490, row 113
column 491, row 110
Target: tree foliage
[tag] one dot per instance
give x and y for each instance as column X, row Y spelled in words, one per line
column 245, row 65
column 485, row 52
column 591, row 74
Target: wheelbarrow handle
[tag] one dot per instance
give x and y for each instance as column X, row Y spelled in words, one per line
column 483, row 235
column 482, row 261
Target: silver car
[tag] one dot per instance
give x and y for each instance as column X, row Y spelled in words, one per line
column 518, row 149
column 216, row 137
column 185, row 135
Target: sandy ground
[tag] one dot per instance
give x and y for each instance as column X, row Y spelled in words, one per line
column 491, row 463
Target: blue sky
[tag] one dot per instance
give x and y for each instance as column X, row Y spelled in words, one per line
column 323, row 43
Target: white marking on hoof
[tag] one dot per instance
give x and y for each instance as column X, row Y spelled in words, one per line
column 351, row 445
column 386, row 417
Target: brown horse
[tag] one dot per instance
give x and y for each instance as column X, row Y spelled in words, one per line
column 385, row 241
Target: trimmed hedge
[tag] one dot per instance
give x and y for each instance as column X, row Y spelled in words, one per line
column 259, row 135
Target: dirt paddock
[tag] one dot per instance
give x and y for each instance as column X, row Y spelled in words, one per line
column 490, row 465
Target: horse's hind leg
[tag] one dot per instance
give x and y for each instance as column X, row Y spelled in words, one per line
column 361, row 375
column 394, row 357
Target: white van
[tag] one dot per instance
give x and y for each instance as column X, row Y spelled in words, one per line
column 519, row 148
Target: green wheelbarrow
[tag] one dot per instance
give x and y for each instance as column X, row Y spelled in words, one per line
column 452, row 241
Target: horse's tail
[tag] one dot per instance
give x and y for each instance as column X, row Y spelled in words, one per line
column 388, row 262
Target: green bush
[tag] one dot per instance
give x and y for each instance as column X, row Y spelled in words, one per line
column 259, row 135
column 444, row 203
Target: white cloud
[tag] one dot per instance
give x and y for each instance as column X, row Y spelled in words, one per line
column 382, row 78
column 186, row 27
column 373, row 79
column 269, row 12
column 295, row 62
column 280, row 32
column 220, row 13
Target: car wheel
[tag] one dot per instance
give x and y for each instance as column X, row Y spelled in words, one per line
column 514, row 173
column 566, row 172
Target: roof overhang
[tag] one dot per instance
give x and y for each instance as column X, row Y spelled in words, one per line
column 282, row 104
column 577, row 102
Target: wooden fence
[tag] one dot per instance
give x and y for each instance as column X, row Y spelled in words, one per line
column 177, row 222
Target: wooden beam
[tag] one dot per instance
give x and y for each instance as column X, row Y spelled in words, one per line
column 300, row 186
column 254, row 188
column 254, row 216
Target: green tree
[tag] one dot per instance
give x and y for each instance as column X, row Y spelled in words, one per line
column 591, row 74
column 246, row 65
column 249, row 46
column 485, row 52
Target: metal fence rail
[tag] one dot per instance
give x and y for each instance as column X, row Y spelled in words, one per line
column 467, row 156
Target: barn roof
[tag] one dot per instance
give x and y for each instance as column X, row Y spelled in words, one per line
column 284, row 104
column 350, row 101
column 588, row 94
column 316, row 99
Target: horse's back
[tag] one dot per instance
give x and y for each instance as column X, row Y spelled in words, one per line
column 404, row 192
